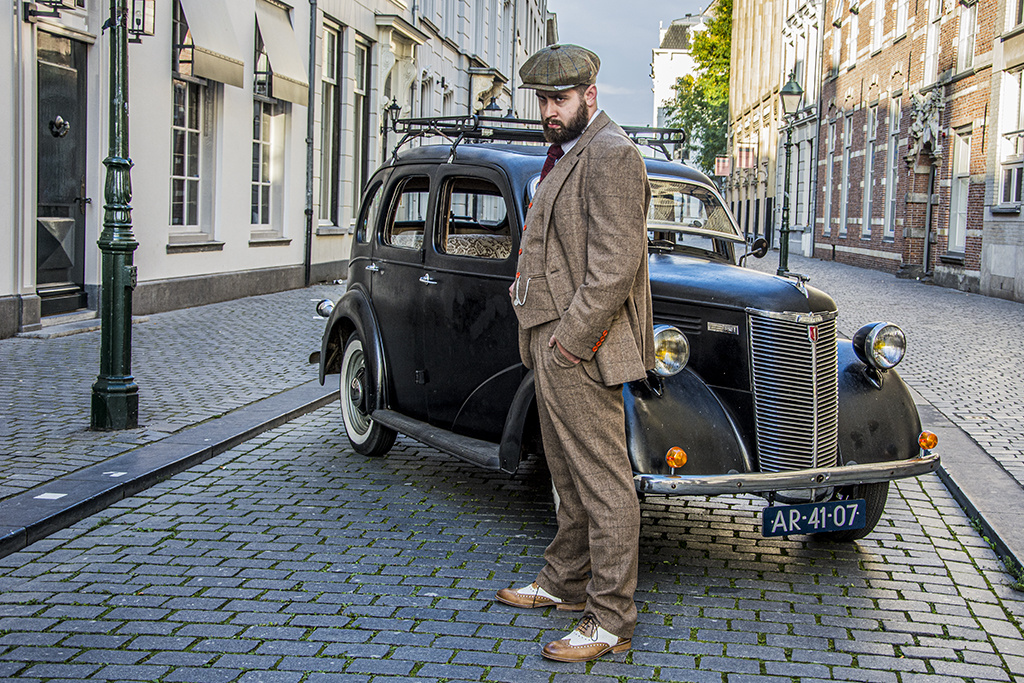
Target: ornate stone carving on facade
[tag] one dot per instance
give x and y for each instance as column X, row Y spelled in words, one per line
column 925, row 114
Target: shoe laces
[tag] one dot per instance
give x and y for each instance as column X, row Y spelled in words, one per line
column 588, row 626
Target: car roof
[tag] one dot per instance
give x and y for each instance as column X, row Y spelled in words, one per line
column 521, row 162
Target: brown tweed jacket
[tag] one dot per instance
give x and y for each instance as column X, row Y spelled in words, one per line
column 584, row 259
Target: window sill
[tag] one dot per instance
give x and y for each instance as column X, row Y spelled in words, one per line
column 954, row 259
column 1015, row 31
column 275, row 241
column 1005, row 210
column 332, row 230
column 182, row 247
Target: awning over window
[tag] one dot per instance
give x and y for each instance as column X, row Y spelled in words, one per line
column 216, row 54
column 286, row 63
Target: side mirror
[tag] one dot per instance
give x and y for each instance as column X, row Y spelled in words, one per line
column 758, row 249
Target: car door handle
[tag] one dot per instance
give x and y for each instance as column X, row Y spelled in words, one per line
column 373, row 268
column 427, row 280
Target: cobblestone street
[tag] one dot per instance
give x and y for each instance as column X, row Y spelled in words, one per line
column 191, row 365
column 290, row 558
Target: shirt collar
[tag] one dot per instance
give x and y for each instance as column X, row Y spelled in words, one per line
column 566, row 146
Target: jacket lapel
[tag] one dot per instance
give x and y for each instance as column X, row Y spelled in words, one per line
column 557, row 176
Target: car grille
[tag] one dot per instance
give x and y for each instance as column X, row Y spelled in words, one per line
column 794, row 374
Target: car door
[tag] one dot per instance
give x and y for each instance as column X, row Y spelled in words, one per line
column 395, row 270
column 471, row 352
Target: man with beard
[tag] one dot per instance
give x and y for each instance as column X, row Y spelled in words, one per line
column 583, row 301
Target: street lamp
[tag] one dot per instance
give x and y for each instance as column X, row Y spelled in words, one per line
column 389, row 120
column 115, row 395
column 791, row 94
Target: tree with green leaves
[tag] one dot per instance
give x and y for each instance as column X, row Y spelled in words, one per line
column 700, row 105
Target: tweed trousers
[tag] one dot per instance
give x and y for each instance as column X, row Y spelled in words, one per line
column 583, row 428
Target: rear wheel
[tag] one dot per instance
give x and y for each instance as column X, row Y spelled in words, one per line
column 874, row 496
column 366, row 436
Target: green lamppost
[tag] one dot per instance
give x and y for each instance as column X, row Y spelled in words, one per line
column 115, row 395
column 791, row 94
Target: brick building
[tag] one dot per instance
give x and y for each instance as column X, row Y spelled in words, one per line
column 912, row 126
column 909, row 154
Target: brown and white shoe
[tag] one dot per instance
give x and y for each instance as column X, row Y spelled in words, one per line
column 535, row 596
column 587, row 641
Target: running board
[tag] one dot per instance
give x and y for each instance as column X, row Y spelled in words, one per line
column 476, row 451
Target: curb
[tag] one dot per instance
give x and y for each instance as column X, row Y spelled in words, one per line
column 35, row 514
column 987, row 493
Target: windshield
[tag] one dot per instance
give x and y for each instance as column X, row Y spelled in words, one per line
column 689, row 215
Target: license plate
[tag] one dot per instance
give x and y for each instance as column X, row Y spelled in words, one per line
column 813, row 518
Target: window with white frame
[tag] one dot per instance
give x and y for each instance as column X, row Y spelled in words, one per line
column 844, row 178
column 959, row 193
column 854, row 37
column 837, row 37
column 877, row 24
column 931, row 52
column 968, row 29
column 830, row 162
column 330, row 123
column 360, row 118
column 1017, row 10
column 1012, row 140
column 892, row 159
column 479, row 21
column 450, row 18
column 191, row 143
column 267, row 145
column 902, row 10
column 869, row 171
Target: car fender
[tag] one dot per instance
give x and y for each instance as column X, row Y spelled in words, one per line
column 878, row 419
column 354, row 313
column 683, row 411
column 513, row 434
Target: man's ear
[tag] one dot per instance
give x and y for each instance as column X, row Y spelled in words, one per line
column 590, row 95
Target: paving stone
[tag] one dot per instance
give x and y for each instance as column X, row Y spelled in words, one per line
column 719, row 603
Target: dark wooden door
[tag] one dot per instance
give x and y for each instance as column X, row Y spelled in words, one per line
column 61, row 163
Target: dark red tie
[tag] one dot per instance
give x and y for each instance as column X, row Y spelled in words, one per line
column 554, row 154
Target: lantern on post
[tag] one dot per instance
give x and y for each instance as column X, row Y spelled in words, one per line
column 791, row 94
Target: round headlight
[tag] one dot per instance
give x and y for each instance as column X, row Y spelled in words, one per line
column 671, row 350
column 880, row 345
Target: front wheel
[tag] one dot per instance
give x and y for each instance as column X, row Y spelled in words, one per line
column 874, row 496
column 366, row 436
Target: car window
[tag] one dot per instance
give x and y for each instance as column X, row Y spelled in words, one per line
column 408, row 217
column 688, row 215
column 371, row 209
column 474, row 220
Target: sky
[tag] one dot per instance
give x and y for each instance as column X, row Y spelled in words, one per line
column 623, row 34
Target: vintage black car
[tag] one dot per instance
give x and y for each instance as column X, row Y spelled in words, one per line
column 754, row 392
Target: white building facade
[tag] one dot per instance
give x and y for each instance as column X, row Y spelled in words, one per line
column 253, row 126
column 801, row 60
column 672, row 60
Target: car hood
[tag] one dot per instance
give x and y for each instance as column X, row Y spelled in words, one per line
column 683, row 278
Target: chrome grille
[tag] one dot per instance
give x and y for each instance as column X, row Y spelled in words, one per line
column 796, row 393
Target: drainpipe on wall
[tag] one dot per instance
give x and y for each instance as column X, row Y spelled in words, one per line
column 515, row 51
column 307, row 258
column 926, row 260
column 17, row 136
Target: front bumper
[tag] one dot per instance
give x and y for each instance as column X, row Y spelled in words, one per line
column 761, row 482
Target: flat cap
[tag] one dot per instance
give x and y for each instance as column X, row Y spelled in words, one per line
column 559, row 67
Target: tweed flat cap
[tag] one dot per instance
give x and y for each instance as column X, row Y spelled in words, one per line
column 559, row 67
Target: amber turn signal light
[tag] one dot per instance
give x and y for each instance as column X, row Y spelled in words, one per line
column 676, row 457
column 927, row 441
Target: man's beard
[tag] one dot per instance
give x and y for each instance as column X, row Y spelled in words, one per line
column 571, row 129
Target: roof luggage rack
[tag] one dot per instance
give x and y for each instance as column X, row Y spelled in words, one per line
column 478, row 128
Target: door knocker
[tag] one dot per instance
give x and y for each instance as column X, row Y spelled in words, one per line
column 59, row 127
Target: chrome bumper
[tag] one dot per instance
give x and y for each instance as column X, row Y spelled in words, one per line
column 760, row 482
